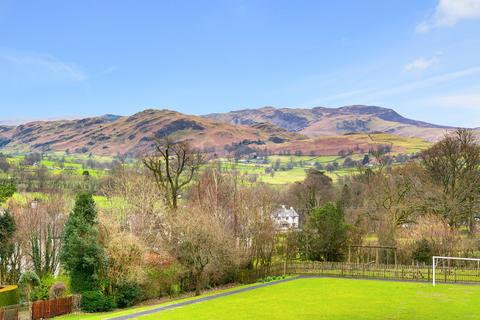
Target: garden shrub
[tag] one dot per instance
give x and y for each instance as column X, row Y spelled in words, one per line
column 175, row 290
column 162, row 281
column 272, row 278
column 58, row 290
column 28, row 281
column 9, row 295
column 43, row 292
column 423, row 251
column 128, row 294
column 96, row 301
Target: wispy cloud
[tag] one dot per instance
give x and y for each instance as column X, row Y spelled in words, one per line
column 429, row 82
column 108, row 71
column 421, row 63
column 34, row 62
column 457, row 101
column 449, row 12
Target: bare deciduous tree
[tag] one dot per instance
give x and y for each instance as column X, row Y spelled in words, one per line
column 454, row 163
column 39, row 228
column 174, row 164
column 200, row 242
column 135, row 202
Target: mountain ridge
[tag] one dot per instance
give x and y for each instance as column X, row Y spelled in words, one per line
column 318, row 121
column 318, row 130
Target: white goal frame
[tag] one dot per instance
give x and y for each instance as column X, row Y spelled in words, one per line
column 435, row 258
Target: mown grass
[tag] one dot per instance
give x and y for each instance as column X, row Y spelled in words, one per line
column 117, row 313
column 333, row 299
column 339, row 299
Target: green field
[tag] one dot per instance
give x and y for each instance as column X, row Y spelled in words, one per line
column 333, row 299
column 297, row 173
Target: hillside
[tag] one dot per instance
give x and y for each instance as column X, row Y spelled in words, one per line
column 317, row 131
column 321, row 122
column 109, row 135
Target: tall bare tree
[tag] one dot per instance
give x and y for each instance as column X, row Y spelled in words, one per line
column 173, row 164
column 454, row 163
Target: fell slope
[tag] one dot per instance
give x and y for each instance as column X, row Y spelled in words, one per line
column 321, row 122
column 109, row 135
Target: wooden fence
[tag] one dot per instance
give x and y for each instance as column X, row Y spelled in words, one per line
column 42, row 309
column 45, row 309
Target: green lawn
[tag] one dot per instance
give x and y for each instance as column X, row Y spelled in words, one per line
column 337, row 299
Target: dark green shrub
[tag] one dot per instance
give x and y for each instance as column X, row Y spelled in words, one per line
column 96, row 301
column 325, row 235
column 423, row 251
column 82, row 255
column 128, row 294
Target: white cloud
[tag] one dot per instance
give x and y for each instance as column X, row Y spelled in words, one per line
column 449, row 12
column 421, row 64
column 33, row 62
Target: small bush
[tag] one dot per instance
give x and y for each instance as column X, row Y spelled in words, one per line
column 44, row 291
column 272, row 278
column 128, row 295
column 423, row 251
column 96, row 301
column 162, row 281
column 28, row 281
column 41, row 292
column 175, row 290
column 58, row 290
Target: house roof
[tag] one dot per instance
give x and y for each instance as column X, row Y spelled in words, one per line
column 285, row 212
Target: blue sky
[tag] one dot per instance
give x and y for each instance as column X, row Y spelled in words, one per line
column 75, row 58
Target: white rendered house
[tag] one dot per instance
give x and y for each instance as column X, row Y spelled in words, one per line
column 286, row 218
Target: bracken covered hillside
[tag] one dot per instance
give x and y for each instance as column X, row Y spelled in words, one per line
column 319, row 131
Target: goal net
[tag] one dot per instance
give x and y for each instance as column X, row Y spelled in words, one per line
column 455, row 269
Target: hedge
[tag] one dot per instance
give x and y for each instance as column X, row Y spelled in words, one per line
column 9, row 295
